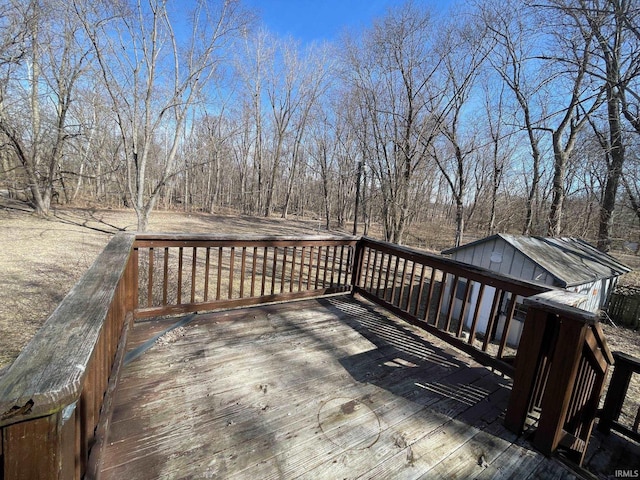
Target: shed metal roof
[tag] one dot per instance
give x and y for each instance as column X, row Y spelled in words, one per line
column 571, row 261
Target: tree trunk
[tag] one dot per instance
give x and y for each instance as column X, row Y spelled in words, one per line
column 459, row 222
column 614, row 171
column 554, row 225
column 535, row 181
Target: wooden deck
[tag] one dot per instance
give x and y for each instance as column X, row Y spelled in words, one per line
column 329, row 388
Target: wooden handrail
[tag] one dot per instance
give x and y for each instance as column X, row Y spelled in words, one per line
column 50, row 397
column 404, row 279
column 49, row 372
column 238, row 240
column 186, row 273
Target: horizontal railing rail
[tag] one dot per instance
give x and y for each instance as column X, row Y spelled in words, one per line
column 52, row 394
column 186, row 273
column 470, row 307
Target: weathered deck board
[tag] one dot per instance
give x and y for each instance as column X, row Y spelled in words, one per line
column 327, row 388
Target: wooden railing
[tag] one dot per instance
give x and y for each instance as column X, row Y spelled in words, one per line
column 186, row 273
column 469, row 307
column 54, row 396
column 51, row 396
column 618, row 393
column 560, row 372
column 561, row 355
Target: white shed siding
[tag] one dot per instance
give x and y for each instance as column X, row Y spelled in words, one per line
column 554, row 262
column 595, row 293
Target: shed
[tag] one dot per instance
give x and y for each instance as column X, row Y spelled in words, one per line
column 568, row 263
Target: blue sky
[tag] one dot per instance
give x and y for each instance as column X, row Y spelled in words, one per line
column 309, row 20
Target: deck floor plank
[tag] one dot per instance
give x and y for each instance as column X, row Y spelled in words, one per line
column 331, row 388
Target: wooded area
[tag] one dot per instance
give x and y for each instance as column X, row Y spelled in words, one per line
column 508, row 116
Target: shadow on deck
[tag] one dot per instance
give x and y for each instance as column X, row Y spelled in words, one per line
column 329, row 388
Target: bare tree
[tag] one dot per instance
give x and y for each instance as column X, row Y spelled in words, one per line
column 570, row 65
column 394, row 72
column 252, row 64
column 154, row 77
column 614, row 25
column 35, row 103
column 513, row 59
column 314, row 81
column 462, row 61
column 500, row 146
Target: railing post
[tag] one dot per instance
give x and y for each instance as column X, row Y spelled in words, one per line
column 531, row 357
column 625, row 367
column 562, row 377
column 357, row 265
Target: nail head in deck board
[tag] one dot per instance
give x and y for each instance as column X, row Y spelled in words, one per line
column 260, row 377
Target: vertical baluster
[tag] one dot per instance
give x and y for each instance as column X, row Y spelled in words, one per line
column 150, row 285
column 284, row 269
column 352, row 268
column 374, row 269
column 253, row 271
column 436, row 319
column 380, row 274
column 412, row 277
column 301, row 274
column 193, row 274
column 219, row 278
column 310, row 267
column 180, row 252
column 318, row 266
column 403, row 279
column 476, row 312
column 326, row 266
column 264, row 271
column 492, row 318
column 232, row 256
column 273, row 270
column 465, row 305
column 507, row 324
column 386, row 277
column 416, row 311
column 242, row 267
column 367, row 264
column 207, row 265
column 340, row 267
column 333, row 264
column 293, row 269
column 165, row 276
column 452, row 299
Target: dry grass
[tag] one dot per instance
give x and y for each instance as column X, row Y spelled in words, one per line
column 42, row 259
